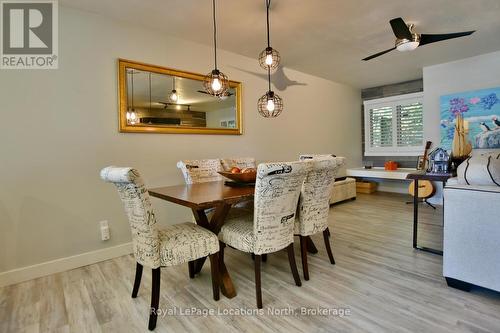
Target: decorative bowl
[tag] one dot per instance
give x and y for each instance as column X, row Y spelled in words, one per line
column 242, row 177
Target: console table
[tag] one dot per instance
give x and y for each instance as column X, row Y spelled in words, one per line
column 416, row 176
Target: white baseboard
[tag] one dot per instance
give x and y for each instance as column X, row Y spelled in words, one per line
column 63, row 264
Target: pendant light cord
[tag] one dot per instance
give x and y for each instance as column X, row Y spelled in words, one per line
column 268, row 4
column 269, row 78
column 215, row 33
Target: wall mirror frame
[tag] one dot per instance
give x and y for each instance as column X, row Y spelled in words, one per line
column 203, row 114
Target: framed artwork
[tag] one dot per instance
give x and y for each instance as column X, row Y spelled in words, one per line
column 481, row 112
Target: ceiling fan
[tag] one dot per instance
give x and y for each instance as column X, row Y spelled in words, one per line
column 408, row 40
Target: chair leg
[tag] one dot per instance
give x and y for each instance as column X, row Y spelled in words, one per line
column 221, row 260
column 155, row 299
column 258, row 290
column 137, row 281
column 214, row 267
column 326, row 232
column 264, row 257
column 191, row 269
column 303, row 254
column 293, row 265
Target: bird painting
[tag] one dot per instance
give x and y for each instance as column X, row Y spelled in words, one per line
column 485, row 127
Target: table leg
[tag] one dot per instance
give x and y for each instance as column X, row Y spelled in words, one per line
column 415, row 213
column 311, row 248
column 215, row 224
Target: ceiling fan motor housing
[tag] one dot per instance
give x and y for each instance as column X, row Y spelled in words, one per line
column 405, row 44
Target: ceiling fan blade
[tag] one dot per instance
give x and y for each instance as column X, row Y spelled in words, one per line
column 378, row 54
column 400, row 28
column 427, row 39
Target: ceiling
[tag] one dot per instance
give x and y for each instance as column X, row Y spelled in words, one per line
column 326, row 38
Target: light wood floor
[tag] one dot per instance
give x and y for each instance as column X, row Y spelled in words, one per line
column 386, row 285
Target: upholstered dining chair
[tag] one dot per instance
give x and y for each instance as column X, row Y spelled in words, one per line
column 240, row 162
column 271, row 227
column 314, row 203
column 200, row 171
column 156, row 247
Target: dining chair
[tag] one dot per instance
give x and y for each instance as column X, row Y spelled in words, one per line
column 314, row 204
column 240, row 162
column 207, row 170
column 154, row 246
column 271, row 227
column 200, row 171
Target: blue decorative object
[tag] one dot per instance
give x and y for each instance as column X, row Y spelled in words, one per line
column 481, row 109
column 439, row 161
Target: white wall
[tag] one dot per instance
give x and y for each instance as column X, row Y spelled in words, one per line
column 58, row 128
column 458, row 76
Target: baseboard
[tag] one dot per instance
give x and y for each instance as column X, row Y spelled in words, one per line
column 63, row 264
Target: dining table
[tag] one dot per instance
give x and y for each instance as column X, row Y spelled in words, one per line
column 218, row 197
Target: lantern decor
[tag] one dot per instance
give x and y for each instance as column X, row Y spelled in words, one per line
column 131, row 115
column 216, row 83
column 270, row 104
column 269, row 58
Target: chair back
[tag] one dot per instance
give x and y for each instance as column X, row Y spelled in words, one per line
column 314, row 202
column 304, row 157
column 135, row 197
column 240, row 162
column 277, row 190
column 200, row 171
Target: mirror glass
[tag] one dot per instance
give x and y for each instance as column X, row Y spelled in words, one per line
column 158, row 99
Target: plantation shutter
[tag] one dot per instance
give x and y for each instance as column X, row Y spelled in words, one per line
column 409, row 125
column 380, row 126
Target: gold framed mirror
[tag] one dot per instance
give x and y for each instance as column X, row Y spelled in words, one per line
column 155, row 99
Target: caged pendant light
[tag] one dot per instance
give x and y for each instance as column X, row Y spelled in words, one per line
column 270, row 105
column 269, row 58
column 174, row 96
column 216, row 83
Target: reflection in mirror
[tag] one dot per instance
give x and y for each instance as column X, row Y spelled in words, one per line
column 174, row 102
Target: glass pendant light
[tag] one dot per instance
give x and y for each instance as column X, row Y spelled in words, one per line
column 270, row 105
column 174, row 96
column 269, row 58
column 131, row 114
column 216, row 83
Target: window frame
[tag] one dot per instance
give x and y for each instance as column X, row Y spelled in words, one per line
column 393, row 102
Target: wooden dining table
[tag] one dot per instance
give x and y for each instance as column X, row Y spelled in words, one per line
column 202, row 196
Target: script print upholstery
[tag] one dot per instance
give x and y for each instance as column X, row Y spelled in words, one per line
column 314, row 201
column 200, row 171
column 277, row 191
column 153, row 246
column 240, row 162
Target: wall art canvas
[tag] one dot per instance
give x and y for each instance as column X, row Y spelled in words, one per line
column 480, row 109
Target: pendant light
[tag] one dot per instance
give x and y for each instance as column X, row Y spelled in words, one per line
column 216, row 83
column 270, row 105
column 131, row 115
column 269, row 58
column 174, row 96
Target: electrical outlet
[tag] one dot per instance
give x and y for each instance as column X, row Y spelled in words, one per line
column 104, row 230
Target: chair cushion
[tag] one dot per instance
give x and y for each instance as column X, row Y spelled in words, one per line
column 238, row 233
column 180, row 243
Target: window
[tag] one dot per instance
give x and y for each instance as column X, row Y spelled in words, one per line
column 394, row 126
